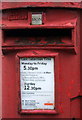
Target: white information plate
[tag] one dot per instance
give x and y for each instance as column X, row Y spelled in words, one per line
column 37, row 83
column 37, row 19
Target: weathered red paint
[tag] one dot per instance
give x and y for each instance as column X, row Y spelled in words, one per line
column 68, row 84
column 80, row 62
column 7, row 5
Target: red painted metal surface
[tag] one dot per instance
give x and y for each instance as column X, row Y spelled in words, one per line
column 7, row 5
column 68, row 94
column 81, row 63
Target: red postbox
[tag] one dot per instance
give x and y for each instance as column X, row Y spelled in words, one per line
column 41, row 60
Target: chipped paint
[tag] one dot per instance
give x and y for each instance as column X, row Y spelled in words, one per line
column 16, row 44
